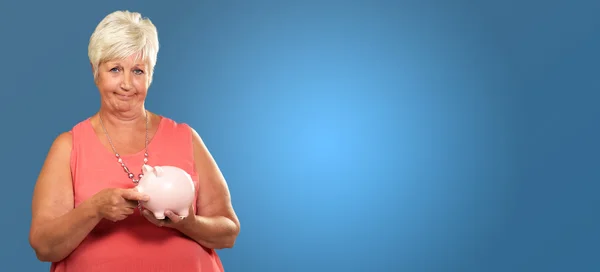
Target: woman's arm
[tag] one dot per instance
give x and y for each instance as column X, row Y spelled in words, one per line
column 215, row 225
column 56, row 228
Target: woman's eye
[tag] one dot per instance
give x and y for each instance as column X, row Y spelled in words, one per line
column 138, row 71
column 116, row 69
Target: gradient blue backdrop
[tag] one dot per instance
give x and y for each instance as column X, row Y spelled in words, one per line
column 355, row 136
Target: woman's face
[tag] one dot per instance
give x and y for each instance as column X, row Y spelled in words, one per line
column 123, row 84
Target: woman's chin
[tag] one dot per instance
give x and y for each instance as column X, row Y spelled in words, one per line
column 126, row 106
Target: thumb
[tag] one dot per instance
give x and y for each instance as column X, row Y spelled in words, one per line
column 133, row 194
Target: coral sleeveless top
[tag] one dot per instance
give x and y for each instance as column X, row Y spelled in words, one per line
column 133, row 244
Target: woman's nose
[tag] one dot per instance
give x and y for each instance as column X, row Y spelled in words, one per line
column 126, row 83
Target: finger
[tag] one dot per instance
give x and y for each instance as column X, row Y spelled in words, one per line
column 128, row 211
column 133, row 194
column 131, row 204
column 148, row 217
column 173, row 217
column 151, row 218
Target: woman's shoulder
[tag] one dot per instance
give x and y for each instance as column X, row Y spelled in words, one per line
column 65, row 138
column 182, row 129
column 167, row 123
column 61, row 144
column 79, row 126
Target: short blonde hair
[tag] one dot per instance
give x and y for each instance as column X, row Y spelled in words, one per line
column 121, row 34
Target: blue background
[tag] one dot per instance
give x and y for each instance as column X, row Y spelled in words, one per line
column 355, row 136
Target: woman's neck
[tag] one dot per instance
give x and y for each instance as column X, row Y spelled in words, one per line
column 124, row 120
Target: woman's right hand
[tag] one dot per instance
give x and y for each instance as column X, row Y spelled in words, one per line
column 116, row 204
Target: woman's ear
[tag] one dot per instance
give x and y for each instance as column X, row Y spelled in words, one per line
column 146, row 169
column 158, row 171
column 93, row 72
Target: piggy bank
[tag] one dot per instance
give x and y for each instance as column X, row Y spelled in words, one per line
column 169, row 188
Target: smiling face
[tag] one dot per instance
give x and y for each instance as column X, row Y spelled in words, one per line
column 123, row 84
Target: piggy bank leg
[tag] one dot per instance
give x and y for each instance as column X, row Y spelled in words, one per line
column 159, row 215
column 183, row 213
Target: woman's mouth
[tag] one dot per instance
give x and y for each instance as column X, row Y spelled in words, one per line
column 124, row 96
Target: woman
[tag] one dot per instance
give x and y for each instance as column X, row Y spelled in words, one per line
column 85, row 214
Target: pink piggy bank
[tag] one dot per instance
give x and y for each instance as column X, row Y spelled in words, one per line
column 169, row 188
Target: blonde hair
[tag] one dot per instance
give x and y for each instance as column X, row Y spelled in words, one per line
column 121, row 34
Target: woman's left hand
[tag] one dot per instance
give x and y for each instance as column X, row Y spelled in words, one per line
column 172, row 220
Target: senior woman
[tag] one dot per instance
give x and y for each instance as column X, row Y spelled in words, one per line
column 85, row 214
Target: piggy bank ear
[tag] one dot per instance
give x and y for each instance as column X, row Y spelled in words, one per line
column 158, row 171
column 146, row 169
